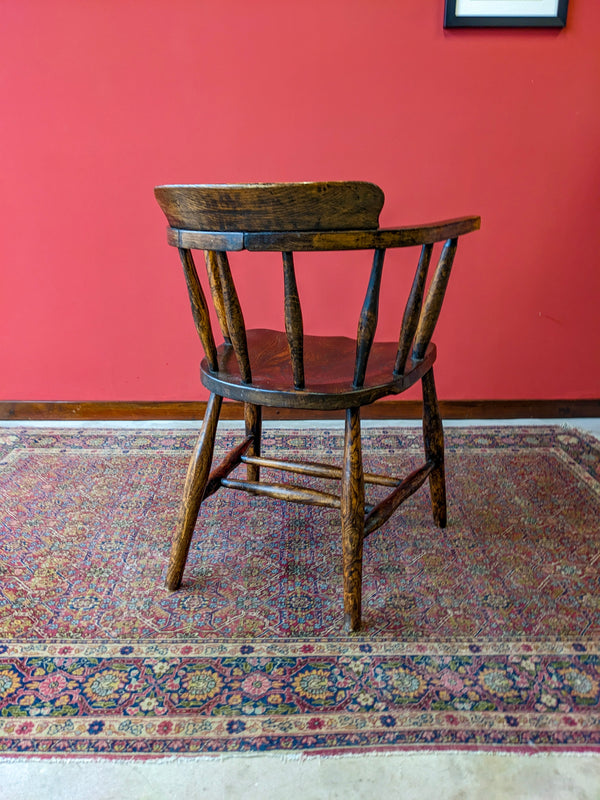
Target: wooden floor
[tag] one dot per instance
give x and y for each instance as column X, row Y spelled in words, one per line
column 466, row 410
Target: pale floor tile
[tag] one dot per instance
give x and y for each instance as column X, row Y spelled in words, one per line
column 412, row 776
column 589, row 424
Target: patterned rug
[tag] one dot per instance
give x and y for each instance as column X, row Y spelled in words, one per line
column 483, row 635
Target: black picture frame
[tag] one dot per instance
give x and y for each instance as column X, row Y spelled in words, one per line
column 557, row 20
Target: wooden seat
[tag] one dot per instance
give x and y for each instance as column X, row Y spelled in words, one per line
column 328, row 369
column 261, row 367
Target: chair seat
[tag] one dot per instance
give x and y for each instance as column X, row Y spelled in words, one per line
column 329, row 367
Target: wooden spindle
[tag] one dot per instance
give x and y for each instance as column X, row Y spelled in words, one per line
column 293, row 320
column 316, row 470
column 435, row 297
column 368, row 320
column 412, row 312
column 199, row 308
column 285, row 491
column 234, row 317
column 216, row 290
column 384, row 510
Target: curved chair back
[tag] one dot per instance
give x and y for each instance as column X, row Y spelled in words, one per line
column 294, row 217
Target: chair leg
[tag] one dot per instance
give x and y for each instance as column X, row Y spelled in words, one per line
column 193, row 492
column 433, row 434
column 253, row 419
column 353, row 520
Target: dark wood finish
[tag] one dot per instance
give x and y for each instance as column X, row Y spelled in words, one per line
column 207, row 240
column 199, row 309
column 385, row 409
column 297, row 241
column 367, row 324
column 229, row 463
column 433, row 437
column 316, row 470
column 294, row 327
column 435, row 298
column 266, row 368
column 384, row 510
column 234, row 317
column 285, row 491
column 412, row 311
column 338, row 205
column 253, row 423
column 329, row 364
column 353, row 520
column 193, row 492
column 361, row 239
column 216, row 290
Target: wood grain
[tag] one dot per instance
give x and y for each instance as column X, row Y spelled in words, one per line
column 226, row 466
column 412, row 311
column 193, row 492
column 361, row 239
column 216, row 290
column 433, row 437
column 285, row 491
column 270, row 369
column 205, row 240
column 316, row 469
column 384, row 510
column 271, row 207
column 367, row 324
column 235, row 319
column 353, row 519
column 253, row 424
column 294, row 327
column 329, row 363
column 173, row 410
column 199, row 309
column 435, row 298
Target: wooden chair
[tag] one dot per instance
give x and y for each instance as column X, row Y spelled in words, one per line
column 293, row 370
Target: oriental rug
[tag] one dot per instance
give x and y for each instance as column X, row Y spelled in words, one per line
column 483, row 635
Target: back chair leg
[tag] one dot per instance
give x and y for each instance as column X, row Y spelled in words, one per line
column 433, row 434
column 353, row 520
column 193, row 492
column 253, row 419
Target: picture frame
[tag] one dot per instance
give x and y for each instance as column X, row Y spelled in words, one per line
column 505, row 13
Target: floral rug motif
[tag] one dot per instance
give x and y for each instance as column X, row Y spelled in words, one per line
column 485, row 634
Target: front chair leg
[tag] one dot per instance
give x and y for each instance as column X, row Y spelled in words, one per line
column 353, row 520
column 253, row 420
column 193, row 492
column 433, row 434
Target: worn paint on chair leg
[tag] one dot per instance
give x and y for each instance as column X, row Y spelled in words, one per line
column 433, row 434
column 353, row 520
column 193, row 492
column 253, row 419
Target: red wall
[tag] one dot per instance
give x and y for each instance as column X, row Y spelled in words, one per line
column 103, row 99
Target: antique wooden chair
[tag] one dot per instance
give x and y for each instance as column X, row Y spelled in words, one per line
column 292, row 370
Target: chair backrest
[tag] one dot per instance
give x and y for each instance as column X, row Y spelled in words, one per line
column 291, row 217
